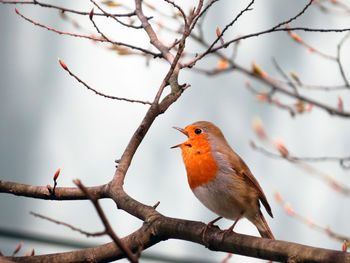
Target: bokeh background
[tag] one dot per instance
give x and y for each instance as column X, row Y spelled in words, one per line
column 49, row 121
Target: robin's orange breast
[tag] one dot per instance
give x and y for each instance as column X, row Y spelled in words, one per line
column 201, row 167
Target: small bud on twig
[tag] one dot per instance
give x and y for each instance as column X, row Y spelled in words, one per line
column 340, row 104
column 289, row 209
column 279, row 145
column 18, row 248
column 278, row 197
column 91, row 14
column 259, row 128
column 218, row 33
column 256, row 69
column 62, row 64
column 16, row 11
column 57, row 174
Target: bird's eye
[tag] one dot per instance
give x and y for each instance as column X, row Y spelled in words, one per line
column 197, row 131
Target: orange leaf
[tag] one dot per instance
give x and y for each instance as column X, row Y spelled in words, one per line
column 259, row 128
column 278, row 197
column 111, row 3
column 222, row 64
column 262, row 96
column 296, row 37
column 279, row 145
column 308, row 221
column 300, row 106
column 289, row 209
column 309, row 107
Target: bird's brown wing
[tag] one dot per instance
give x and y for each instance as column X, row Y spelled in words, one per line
column 251, row 179
column 242, row 169
column 230, row 161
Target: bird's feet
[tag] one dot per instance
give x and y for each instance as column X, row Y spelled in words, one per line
column 209, row 225
column 229, row 230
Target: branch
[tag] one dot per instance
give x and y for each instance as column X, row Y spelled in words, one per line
column 346, row 81
column 88, row 234
column 108, row 229
column 114, row 17
column 275, row 28
column 62, row 9
column 87, row 37
column 159, row 227
column 41, row 192
column 97, row 92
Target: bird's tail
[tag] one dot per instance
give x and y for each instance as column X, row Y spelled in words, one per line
column 263, row 227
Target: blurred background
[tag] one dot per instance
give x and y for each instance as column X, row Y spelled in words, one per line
column 49, row 121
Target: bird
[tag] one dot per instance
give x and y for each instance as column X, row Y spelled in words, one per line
column 220, row 179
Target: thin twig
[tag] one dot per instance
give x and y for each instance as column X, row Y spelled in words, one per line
column 132, row 258
column 88, row 234
column 285, row 76
column 87, row 37
column 114, row 17
column 275, row 28
column 337, row 186
column 291, row 212
column 339, row 62
column 63, row 9
column 97, row 92
column 231, row 24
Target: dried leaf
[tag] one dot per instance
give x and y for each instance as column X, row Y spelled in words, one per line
column 289, row 209
column 278, row 197
column 259, row 128
column 111, row 3
column 279, row 145
column 222, row 64
column 262, row 96
column 308, row 221
column 294, row 76
column 256, row 69
column 121, row 50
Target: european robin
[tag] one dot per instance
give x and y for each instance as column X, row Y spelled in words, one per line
column 220, row 179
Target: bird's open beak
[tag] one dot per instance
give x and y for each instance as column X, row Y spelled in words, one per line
column 184, row 132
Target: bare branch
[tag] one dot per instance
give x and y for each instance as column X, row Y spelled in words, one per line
column 339, row 62
column 151, row 233
column 88, row 234
column 88, row 37
column 114, row 17
column 62, row 9
column 41, row 192
column 97, row 92
column 109, row 230
column 275, row 28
